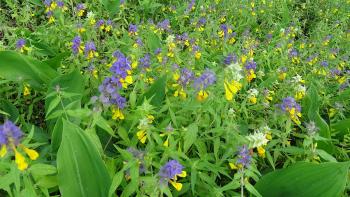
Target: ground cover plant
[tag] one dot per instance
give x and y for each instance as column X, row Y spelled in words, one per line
column 174, row 98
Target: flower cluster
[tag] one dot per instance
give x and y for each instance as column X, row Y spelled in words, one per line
column 207, row 78
column 182, row 81
column 10, row 136
column 170, row 172
column 293, row 109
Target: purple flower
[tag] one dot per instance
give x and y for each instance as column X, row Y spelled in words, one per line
column 288, row 103
column 206, row 79
column 170, row 170
column 164, row 25
column 100, row 23
column 80, row 6
column 10, row 133
column 139, row 42
column 244, row 157
column 121, row 66
column 201, row 22
column 140, row 155
column 324, row 63
column 20, row 43
column 76, row 44
column 293, row 53
column 250, row 65
column 89, row 47
column 47, row 3
column 190, row 6
column 185, row 77
column 157, row 51
column 231, row 58
column 60, row 4
column 132, row 29
column 145, row 62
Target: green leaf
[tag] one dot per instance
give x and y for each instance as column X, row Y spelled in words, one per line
column 55, row 62
column 81, row 171
column 10, row 109
column 153, row 41
column 112, row 6
column 18, row 67
column 72, row 87
column 312, row 105
column 117, row 179
column 103, row 124
column 190, row 136
column 341, row 128
column 325, row 155
column 305, row 179
column 157, row 92
column 56, row 135
column 252, row 190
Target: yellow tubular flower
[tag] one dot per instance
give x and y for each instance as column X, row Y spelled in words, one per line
column 26, row 90
column 198, row 55
column 231, row 89
column 261, row 151
column 141, row 135
column 33, row 155
column 178, row 186
column 202, row 95
column 117, row 114
column 20, row 161
column 232, row 166
column 3, row 150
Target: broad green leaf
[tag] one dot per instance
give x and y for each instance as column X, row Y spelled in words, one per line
column 157, row 92
column 112, row 6
column 18, row 67
column 153, row 41
column 55, row 62
column 56, row 135
column 341, row 128
column 305, row 180
column 103, row 124
column 190, row 136
column 312, row 105
column 10, row 109
column 72, row 87
column 252, row 190
column 81, row 171
column 117, row 179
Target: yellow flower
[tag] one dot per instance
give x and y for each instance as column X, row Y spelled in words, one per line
column 141, row 135
column 253, row 100
column 81, row 12
column 233, row 166
column 231, row 89
column 198, row 55
column 332, row 112
column 251, row 75
column 117, row 114
column 51, row 19
column 282, row 76
column 180, row 92
column 261, row 151
column 299, row 95
column 178, row 186
column 202, row 95
column 3, row 150
column 176, row 76
column 26, row 90
column 134, row 64
column 20, row 161
column 33, row 155
column 243, row 59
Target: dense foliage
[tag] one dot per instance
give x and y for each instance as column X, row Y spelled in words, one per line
column 174, row 98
